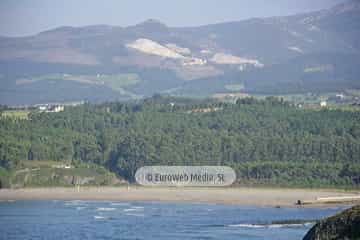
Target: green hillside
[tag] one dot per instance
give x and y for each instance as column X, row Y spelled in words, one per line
column 267, row 142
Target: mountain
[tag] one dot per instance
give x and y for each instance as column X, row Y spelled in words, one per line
column 274, row 55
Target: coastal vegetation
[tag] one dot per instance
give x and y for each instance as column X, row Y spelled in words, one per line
column 57, row 174
column 268, row 142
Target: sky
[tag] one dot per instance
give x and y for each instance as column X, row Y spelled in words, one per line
column 27, row 17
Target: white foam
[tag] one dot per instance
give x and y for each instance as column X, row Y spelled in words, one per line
column 135, row 214
column 247, row 225
column 272, row 225
column 105, row 209
column 130, row 210
column 100, row 217
column 309, row 224
column 120, row 204
column 134, row 209
column 75, row 203
column 289, row 225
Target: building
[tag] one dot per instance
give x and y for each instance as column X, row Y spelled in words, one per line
column 340, row 96
column 50, row 108
column 63, row 166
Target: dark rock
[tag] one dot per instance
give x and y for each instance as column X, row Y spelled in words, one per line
column 345, row 225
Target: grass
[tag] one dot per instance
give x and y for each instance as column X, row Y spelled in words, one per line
column 117, row 82
column 315, row 99
column 4, row 178
column 353, row 92
column 114, row 81
column 345, row 107
column 41, row 164
column 44, row 174
column 16, row 114
column 120, row 80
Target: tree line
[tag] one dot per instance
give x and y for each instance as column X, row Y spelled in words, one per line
column 267, row 142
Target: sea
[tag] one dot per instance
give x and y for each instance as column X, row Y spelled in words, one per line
column 153, row 220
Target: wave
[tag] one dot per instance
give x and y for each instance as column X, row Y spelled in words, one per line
column 247, row 225
column 133, row 209
column 75, row 203
column 105, row 209
column 290, row 225
column 295, row 225
column 135, row 214
column 100, row 217
column 9, row 200
column 120, row 204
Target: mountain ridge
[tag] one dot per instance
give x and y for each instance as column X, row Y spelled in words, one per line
column 237, row 51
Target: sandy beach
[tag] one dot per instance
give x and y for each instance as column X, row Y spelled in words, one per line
column 244, row 196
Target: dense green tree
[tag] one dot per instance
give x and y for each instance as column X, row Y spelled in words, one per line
column 266, row 141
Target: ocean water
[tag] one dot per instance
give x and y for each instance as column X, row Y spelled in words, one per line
column 139, row 220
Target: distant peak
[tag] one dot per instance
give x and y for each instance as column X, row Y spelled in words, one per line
column 91, row 29
column 150, row 26
column 59, row 29
column 348, row 6
column 152, row 22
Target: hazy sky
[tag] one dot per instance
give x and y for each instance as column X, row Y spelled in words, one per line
column 24, row 17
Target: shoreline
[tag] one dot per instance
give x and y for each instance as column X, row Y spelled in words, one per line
column 275, row 197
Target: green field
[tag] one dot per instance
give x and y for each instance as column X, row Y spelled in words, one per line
column 313, row 100
column 50, row 173
column 15, row 114
column 117, row 82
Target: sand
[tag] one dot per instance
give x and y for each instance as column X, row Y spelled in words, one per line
column 243, row 196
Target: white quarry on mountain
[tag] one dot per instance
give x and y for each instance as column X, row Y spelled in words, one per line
column 173, row 51
column 223, row 58
column 194, row 61
column 205, row 51
column 319, row 68
column 151, row 47
column 296, row 49
column 180, row 50
column 313, row 28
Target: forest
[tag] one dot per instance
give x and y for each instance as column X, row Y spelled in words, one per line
column 268, row 142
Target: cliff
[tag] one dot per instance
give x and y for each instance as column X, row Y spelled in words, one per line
column 345, row 225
